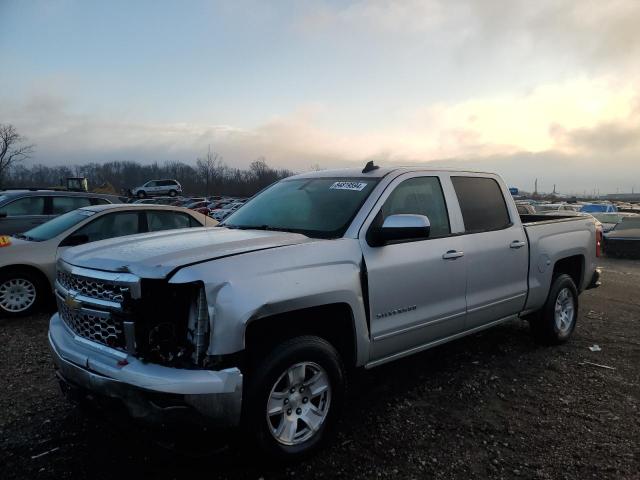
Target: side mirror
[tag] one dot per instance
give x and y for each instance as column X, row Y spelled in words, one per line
column 401, row 227
column 73, row 240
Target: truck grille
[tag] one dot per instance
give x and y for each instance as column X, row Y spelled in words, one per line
column 93, row 325
column 93, row 307
column 92, row 288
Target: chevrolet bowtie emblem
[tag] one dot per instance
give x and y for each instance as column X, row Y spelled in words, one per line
column 71, row 302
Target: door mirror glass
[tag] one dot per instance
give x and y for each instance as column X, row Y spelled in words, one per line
column 76, row 239
column 402, row 227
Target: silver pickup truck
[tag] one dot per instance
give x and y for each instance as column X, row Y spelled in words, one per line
column 255, row 323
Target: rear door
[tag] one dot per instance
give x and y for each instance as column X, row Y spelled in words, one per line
column 496, row 250
column 416, row 288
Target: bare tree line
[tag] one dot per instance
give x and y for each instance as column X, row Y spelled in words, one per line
column 205, row 178
column 209, row 176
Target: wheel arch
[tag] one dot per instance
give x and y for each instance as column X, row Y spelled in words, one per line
column 22, row 267
column 333, row 322
column 573, row 266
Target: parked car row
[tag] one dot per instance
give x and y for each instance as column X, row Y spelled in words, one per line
column 621, row 229
column 216, row 207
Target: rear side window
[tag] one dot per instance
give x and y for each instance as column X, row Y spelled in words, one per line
column 24, row 206
column 420, row 196
column 60, row 205
column 167, row 221
column 110, row 226
column 482, row 204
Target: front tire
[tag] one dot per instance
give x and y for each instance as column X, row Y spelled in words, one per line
column 172, row 193
column 142, row 194
column 557, row 320
column 21, row 293
column 294, row 397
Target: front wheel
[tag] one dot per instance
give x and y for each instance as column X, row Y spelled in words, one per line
column 294, row 397
column 142, row 194
column 555, row 323
column 172, row 193
column 20, row 294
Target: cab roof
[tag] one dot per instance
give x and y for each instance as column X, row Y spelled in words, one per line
column 377, row 173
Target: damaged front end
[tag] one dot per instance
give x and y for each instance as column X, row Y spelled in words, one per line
column 173, row 324
column 157, row 335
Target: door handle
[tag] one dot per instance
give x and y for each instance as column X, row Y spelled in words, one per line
column 517, row 244
column 452, row 255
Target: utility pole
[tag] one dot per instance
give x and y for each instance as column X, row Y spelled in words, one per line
column 535, row 188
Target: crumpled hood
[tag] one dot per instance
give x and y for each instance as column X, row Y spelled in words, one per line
column 157, row 254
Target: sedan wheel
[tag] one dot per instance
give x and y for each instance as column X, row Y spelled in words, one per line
column 17, row 295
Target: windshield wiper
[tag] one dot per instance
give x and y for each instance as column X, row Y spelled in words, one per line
column 22, row 236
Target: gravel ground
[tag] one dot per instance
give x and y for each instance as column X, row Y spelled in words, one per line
column 493, row 405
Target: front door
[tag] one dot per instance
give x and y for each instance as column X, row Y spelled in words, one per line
column 416, row 288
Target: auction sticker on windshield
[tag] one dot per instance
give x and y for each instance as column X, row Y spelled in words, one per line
column 5, row 241
column 357, row 186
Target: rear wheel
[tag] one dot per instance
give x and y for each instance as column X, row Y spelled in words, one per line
column 294, row 397
column 20, row 293
column 555, row 323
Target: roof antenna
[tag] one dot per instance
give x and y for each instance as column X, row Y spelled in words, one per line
column 369, row 167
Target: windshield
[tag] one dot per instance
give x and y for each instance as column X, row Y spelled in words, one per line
column 56, row 226
column 317, row 207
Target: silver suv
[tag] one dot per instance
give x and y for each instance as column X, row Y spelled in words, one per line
column 158, row 187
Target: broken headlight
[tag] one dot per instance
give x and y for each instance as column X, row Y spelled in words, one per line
column 198, row 326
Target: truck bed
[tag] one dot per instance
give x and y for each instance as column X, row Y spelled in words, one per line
column 539, row 219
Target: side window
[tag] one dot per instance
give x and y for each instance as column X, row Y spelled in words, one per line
column 167, row 220
column 150, row 184
column 420, row 196
column 62, row 205
column 24, row 206
column 99, row 201
column 110, row 226
column 482, row 204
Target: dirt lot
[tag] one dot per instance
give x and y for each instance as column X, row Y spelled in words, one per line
column 492, row 405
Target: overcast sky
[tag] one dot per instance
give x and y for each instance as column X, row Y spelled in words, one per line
column 545, row 88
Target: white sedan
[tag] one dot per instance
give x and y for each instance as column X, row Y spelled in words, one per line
column 28, row 260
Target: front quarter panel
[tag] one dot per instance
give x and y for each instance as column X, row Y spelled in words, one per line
column 243, row 288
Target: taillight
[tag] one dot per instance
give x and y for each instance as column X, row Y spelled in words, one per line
column 598, row 241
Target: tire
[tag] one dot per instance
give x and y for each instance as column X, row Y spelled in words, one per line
column 172, row 193
column 554, row 324
column 21, row 293
column 306, row 358
column 142, row 194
